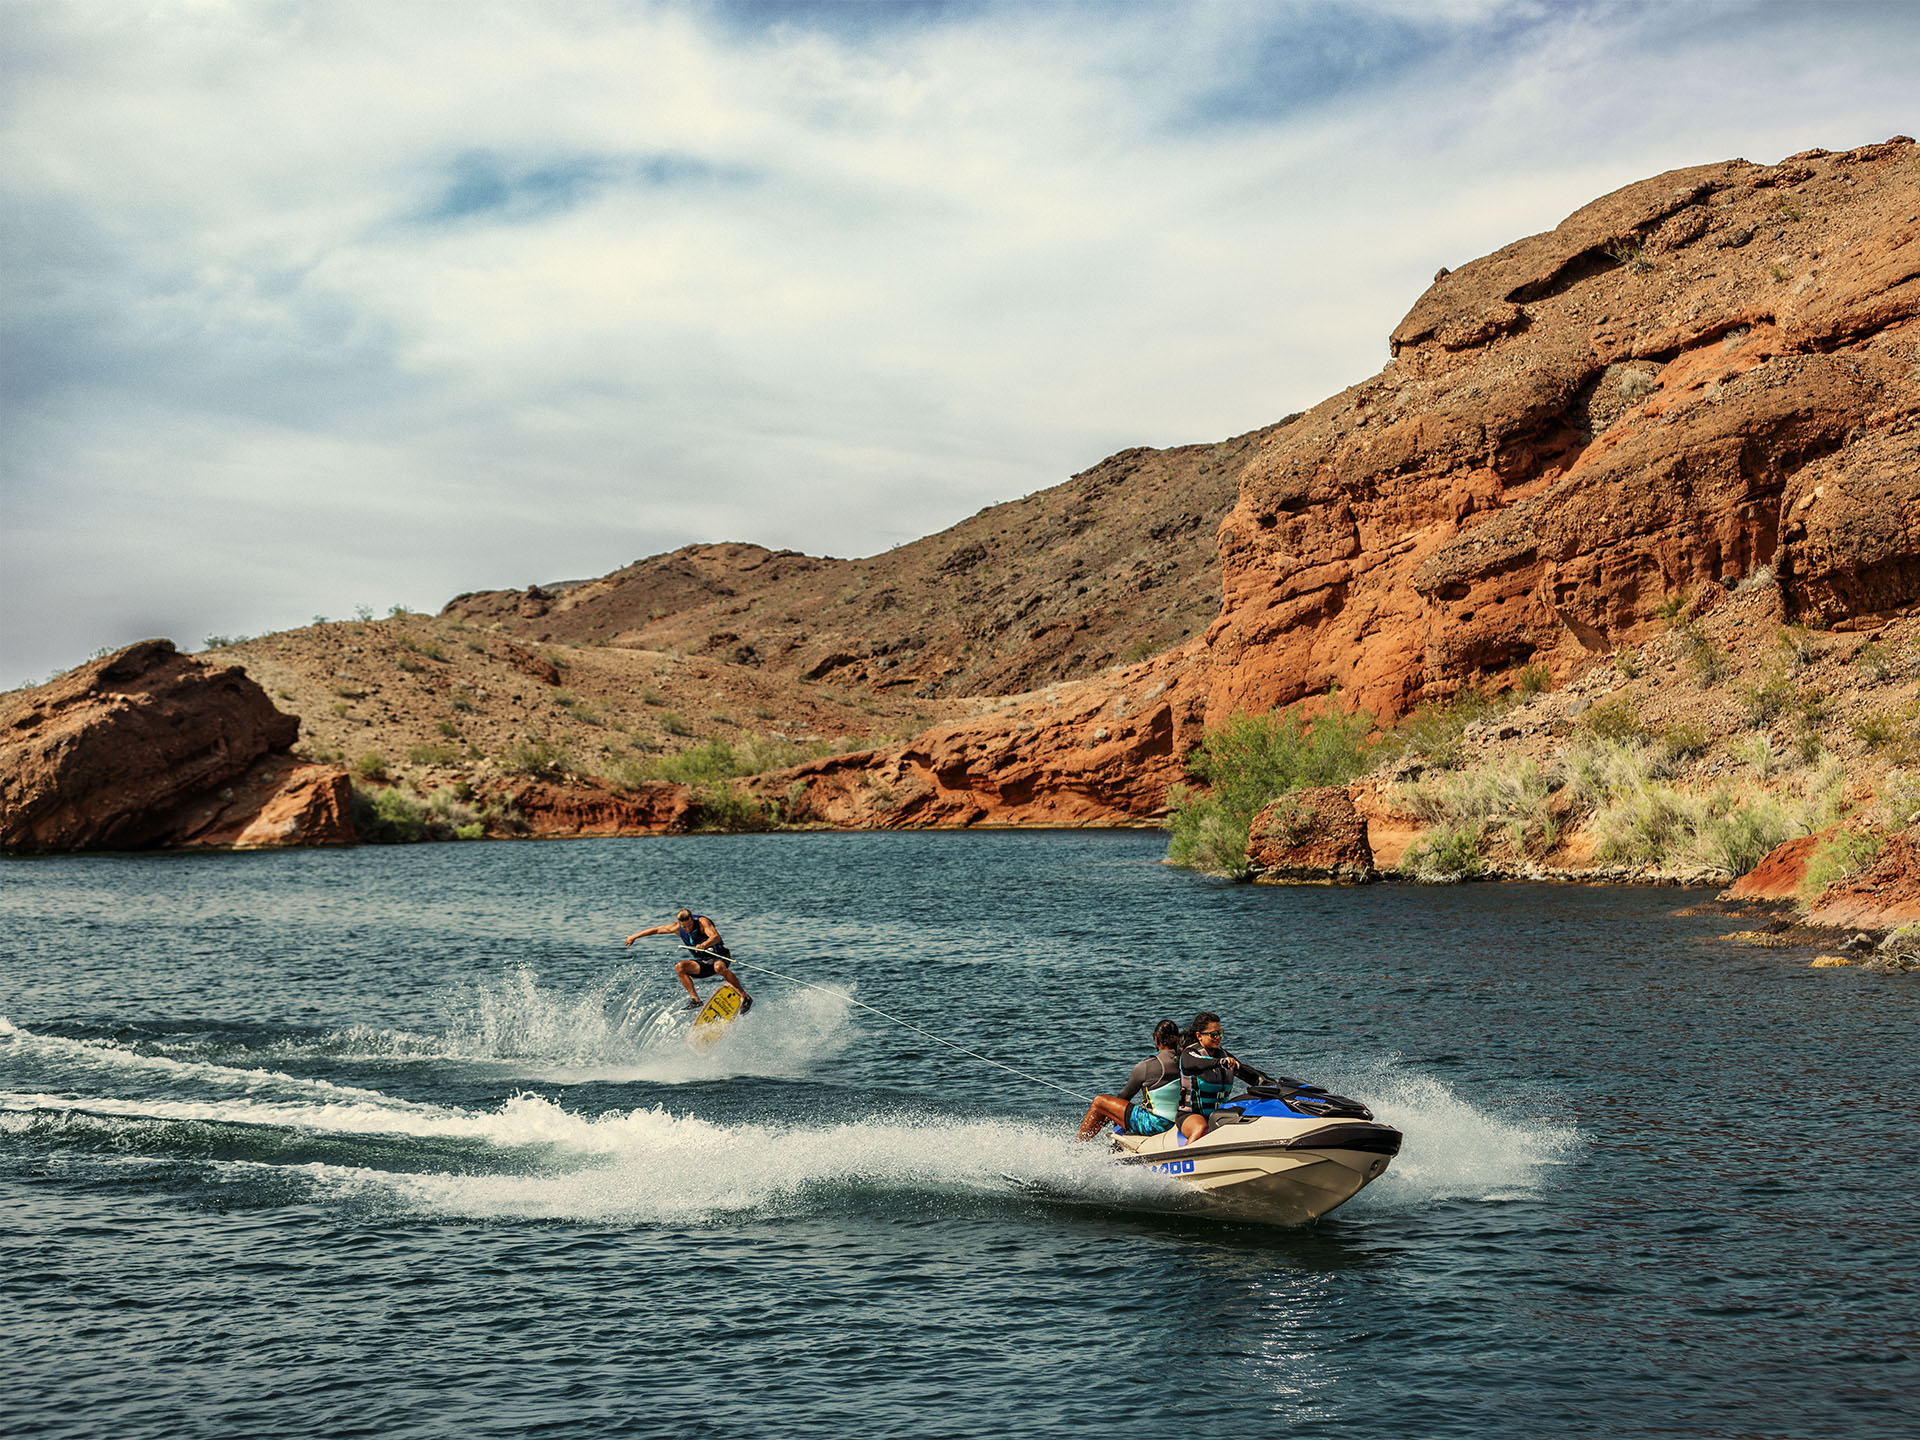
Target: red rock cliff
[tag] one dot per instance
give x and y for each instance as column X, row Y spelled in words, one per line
column 1697, row 375
column 149, row 748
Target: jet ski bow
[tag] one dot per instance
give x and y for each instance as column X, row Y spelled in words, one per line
column 1282, row 1154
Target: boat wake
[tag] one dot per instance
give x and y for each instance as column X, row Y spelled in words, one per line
column 533, row 1158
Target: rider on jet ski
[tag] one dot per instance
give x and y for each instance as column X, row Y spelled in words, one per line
column 1156, row 1080
column 1207, row 1073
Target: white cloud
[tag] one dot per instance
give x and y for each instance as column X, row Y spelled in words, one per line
column 318, row 304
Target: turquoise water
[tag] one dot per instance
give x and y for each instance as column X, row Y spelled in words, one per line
column 402, row 1142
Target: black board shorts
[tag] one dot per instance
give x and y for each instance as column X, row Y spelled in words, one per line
column 702, row 968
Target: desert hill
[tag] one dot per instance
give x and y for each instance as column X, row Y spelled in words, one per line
column 1112, row 566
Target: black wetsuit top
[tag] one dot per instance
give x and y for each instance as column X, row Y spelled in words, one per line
column 1205, row 1080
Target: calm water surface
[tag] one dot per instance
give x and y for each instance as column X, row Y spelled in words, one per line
column 404, row 1143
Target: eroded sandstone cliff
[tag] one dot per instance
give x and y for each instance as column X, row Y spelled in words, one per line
column 151, row 748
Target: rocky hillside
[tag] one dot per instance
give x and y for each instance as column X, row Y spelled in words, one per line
column 1705, row 374
column 1113, row 566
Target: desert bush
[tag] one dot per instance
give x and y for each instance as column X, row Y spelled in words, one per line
column 448, row 729
column 371, row 766
column 1435, row 732
column 1893, row 733
column 1631, row 252
column 409, row 664
column 1896, row 802
column 388, row 817
column 1763, row 702
column 1671, row 608
column 432, row 755
column 1534, row 679
column 726, row 807
column 1758, row 579
column 651, row 696
column 539, row 758
column 462, row 702
column 1709, row 666
column 1613, row 721
column 1443, row 855
column 1204, row 837
column 1627, row 661
column 1682, row 743
column 1843, row 853
column 674, row 725
column 1798, row 649
column 1873, row 662
column 1512, row 795
column 1636, row 384
column 1250, row 760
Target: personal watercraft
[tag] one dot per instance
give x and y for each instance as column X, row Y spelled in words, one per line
column 1281, row 1154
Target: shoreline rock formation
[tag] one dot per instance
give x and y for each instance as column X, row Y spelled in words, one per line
column 148, row 748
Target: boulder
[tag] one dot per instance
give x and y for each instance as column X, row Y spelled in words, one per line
column 148, row 748
column 1308, row 836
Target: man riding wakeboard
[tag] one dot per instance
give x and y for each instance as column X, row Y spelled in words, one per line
column 701, row 936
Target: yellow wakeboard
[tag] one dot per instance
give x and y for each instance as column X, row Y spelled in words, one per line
column 722, row 1007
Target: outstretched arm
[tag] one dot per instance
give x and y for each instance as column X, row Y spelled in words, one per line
column 652, row 930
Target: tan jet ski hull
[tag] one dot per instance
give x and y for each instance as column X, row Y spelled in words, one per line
column 1268, row 1169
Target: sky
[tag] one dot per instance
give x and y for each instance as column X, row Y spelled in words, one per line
column 306, row 307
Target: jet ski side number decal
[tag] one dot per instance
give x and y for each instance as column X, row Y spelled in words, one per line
column 1173, row 1167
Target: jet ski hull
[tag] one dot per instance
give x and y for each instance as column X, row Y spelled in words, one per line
column 1271, row 1169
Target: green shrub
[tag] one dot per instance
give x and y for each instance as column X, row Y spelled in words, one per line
column 1613, row 721
column 1204, row 836
column 1843, row 853
column 1443, row 855
column 1873, row 662
column 1895, row 734
column 1435, row 732
column 432, row 755
column 539, row 758
column 1248, row 761
column 1727, row 828
column 651, row 696
column 1763, row 702
column 1681, row 744
column 1798, row 649
column 1627, row 661
column 371, row 766
column 1897, row 801
column 674, row 725
column 388, row 817
column 726, row 807
column 1515, row 796
column 1533, row 679
column 448, row 729
column 1709, row 666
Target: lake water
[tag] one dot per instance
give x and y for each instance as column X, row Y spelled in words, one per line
column 391, row 1142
